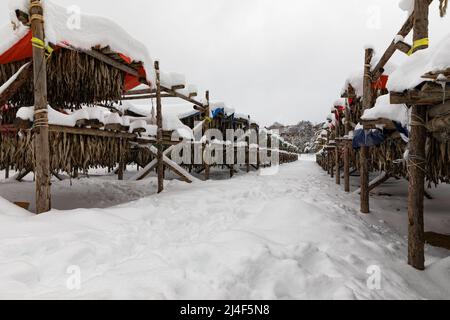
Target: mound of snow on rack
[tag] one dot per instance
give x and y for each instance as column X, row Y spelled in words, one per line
column 383, row 109
column 409, row 75
column 94, row 31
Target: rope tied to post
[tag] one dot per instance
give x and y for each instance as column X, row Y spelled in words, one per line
column 415, row 160
column 40, row 44
column 43, row 121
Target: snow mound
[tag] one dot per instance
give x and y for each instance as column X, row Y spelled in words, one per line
column 93, row 31
column 409, row 75
column 383, row 109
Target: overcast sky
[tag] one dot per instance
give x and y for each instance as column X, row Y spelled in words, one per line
column 278, row 60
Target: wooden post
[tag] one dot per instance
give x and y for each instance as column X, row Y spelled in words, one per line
column 420, row 37
column 416, row 168
column 7, row 171
column 332, row 163
column 121, row 168
column 347, row 150
column 159, row 137
column 205, row 130
column 367, row 101
column 41, row 142
column 338, row 168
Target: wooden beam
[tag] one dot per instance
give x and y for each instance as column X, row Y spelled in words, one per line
column 145, row 96
column 92, row 132
column 435, row 74
column 373, row 124
column 433, row 94
column 41, row 142
column 378, row 181
column 403, row 47
column 139, row 91
column 181, row 96
column 152, row 165
column 108, row 60
column 438, row 240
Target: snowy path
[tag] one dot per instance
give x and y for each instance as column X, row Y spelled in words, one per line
column 293, row 235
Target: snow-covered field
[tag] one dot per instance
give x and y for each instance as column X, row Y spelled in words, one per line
column 293, row 235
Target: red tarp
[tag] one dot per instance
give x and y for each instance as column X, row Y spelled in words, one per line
column 381, row 83
column 23, row 50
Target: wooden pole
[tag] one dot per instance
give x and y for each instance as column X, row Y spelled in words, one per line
column 416, row 168
column 41, row 142
column 159, row 123
column 337, row 153
column 367, row 101
column 347, row 150
column 121, row 169
column 332, row 163
column 7, row 171
column 420, row 37
column 205, row 130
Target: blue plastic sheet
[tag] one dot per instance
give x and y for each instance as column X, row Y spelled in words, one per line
column 374, row 137
column 367, row 138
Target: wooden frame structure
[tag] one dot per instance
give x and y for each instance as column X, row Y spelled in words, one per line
column 430, row 118
column 157, row 148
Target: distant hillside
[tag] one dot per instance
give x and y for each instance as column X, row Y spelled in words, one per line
column 300, row 135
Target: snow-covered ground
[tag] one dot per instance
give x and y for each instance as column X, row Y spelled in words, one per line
column 293, row 235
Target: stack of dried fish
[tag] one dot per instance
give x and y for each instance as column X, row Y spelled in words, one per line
column 68, row 152
column 73, row 79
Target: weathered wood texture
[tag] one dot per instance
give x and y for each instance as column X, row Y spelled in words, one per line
column 416, row 168
column 420, row 36
column 42, row 149
column 159, row 137
column 367, row 104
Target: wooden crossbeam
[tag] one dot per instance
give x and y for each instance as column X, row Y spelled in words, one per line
column 148, row 168
column 431, row 94
column 373, row 124
column 110, row 61
column 92, row 132
column 184, row 175
column 145, row 96
column 176, row 94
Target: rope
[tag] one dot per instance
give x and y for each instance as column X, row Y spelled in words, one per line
column 38, row 43
column 418, row 162
column 42, row 122
column 36, row 16
column 415, row 160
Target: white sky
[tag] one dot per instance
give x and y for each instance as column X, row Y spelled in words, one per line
column 278, row 60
